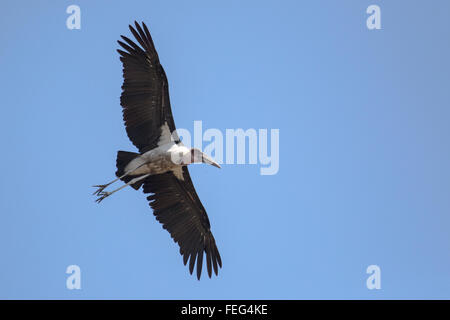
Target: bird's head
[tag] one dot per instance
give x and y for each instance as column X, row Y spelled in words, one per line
column 196, row 156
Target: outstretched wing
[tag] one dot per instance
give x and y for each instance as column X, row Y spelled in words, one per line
column 177, row 206
column 145, row 90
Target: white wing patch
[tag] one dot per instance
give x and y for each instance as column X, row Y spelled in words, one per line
column 178, row 172
column 166, row 136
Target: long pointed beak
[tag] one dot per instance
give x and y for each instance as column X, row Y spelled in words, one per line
column 208, row 160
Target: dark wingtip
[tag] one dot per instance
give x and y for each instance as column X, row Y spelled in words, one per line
column 131, row 28
column 192, row 263
column 199, row 264
column 136, row 25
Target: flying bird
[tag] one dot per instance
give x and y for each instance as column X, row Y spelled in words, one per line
column 160, row 167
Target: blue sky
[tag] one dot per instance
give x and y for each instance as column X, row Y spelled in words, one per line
column 364, row 149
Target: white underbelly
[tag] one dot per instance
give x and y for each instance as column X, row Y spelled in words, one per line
column 155, row 167
column 152, row 162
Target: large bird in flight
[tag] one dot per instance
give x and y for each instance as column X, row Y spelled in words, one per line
column 161, row 164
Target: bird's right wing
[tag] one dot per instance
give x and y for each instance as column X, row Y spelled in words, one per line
column 145, row 95
column 177, row 206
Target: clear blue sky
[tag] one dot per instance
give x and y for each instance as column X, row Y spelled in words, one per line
column 364, row 149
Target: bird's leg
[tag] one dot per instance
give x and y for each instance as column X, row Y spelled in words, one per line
column 102, row 187
column 103, row 194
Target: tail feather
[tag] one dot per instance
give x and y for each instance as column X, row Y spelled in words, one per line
column 123, row 159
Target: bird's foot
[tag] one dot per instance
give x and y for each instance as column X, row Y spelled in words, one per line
column 102, row 195
column 100, row 189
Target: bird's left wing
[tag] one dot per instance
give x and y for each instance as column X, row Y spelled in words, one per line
column 145, row 95
column 177, row 206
